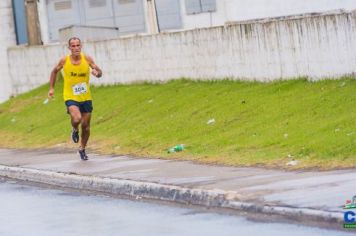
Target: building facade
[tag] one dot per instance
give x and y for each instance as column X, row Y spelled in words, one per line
column 7, row 39
column 125, row 17
column 252, row 50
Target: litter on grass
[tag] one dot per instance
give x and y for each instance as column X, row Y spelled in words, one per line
column 211, row 122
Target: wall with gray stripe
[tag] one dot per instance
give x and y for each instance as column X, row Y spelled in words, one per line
column 315, row 46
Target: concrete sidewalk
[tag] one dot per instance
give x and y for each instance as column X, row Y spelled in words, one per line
column 296, row 195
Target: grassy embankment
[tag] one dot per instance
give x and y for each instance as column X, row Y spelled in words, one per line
column 257, row 124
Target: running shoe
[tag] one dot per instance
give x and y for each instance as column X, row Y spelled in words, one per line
column 82, row 154
column 75, row 135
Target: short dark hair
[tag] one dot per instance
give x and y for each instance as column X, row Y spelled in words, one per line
column 74, row 38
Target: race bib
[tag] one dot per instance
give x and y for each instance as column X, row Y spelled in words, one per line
column 79, row 88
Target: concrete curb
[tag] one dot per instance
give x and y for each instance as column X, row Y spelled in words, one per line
column 154, row 191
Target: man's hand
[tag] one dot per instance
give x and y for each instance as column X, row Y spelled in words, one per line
column 96, row 73
column 51, row 93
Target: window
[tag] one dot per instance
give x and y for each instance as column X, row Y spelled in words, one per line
column 199, row 6
column 63, row 5
column 208, row 5
column 97, row 3
column 125, row 1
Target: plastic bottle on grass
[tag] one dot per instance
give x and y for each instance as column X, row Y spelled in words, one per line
column 177, row 148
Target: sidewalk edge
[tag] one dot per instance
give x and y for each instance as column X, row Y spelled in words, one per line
column 170, row 193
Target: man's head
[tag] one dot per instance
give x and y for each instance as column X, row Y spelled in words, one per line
column 75, row 46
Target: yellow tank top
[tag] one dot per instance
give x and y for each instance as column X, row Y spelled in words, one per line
column 76, row 80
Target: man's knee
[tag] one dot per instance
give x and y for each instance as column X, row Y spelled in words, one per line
column 85, row 126
column 76, row 119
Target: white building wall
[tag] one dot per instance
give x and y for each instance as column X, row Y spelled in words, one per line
column 227, row 11
column 205, row 19
column 7, row 38
column 237, row 10
column 43, row 19
column 312, row 46
column 241, row 10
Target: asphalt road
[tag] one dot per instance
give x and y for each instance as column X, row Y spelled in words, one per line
column 32, row 210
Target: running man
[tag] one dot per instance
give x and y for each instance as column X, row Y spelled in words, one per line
column 76, row 90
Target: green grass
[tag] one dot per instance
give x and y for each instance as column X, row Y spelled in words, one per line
column 257, row 124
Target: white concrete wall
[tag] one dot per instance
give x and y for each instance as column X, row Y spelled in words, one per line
column 88, row 33
column 313, row 46
column 36, row 65
column 7, row 38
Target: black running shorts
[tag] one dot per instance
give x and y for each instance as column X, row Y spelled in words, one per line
column 84, row 107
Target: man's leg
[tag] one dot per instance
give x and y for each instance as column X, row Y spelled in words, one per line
column 76, row 118
column 85, row 129
column 85, row 135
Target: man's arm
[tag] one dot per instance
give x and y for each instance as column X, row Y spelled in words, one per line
column 52, row 80
column 96, row 71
